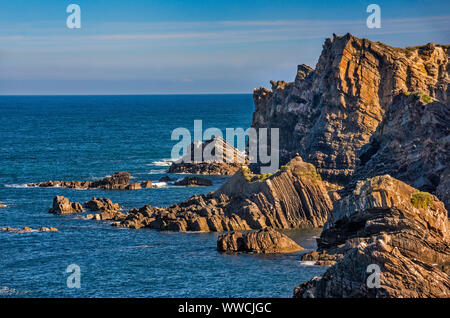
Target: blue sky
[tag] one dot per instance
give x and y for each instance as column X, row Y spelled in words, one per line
column 167, row 46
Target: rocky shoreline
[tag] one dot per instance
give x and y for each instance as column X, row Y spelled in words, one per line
column 373, row 122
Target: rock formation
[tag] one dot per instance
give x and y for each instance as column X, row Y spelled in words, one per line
column 62, row 205
column 389, row 224
column 101, row 204
column 328, row 114
column 224, row 159
column 294, row 197
column 27, row 229
column 193, row 182
column 262, row 241
column 118, row 181
column 412, row 144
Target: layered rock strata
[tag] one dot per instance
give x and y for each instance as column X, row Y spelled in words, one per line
column 385, row 224
column 262, row 241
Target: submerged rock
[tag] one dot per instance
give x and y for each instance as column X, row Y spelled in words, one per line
column 165, row 179
column 224, row 159
column 62, row 205
column 193, row 181
column 263, row 241
column 294, row 197
column 388, row 224
column 118, row 181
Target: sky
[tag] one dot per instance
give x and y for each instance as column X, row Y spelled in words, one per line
column 189, row 47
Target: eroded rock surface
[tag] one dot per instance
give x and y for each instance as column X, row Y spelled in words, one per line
column 388, row 223
column 118, row 181
column 223, row 159
column 412, row 144
column 294, row 197
column 328, row 114
column 262, row 241
column 62, row 205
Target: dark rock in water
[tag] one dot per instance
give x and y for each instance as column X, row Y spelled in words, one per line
column 101, row 204
column 263, row 241
column 294, row 197
column 62, row 205
column 225, row 159
column 412, row 144
column 328, row 114
column 118, row 181
column 389, row 224
column 165, row 179
column 193, row 181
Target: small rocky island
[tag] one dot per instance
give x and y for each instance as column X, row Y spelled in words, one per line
column 226, row 159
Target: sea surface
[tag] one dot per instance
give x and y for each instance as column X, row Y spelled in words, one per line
column 90, row 137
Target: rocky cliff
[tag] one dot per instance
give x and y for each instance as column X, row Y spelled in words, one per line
column 294, row 197
column 328, row 114
column 385, row 223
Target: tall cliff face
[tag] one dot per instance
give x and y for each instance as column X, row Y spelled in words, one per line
column 328, row 114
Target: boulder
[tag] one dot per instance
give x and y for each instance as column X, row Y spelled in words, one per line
column 101, row 204
column 193, row 182
column 294, row 197
column 389, row 225
column 165, row 179
column 62, row 205
column 262, row 241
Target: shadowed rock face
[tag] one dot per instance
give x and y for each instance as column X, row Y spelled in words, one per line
column 412, row 144
column 263, row 241
column 62, row 205
column 118, row 181
column 394, row 226
column 193, row 182
column 328, row 114
column 292, row 198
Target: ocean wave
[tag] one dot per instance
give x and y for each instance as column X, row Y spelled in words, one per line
column 308, row 263
column 165, row 162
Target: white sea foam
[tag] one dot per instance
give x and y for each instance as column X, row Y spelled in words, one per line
column 159, row 184
column 308, row 263
column 18, row 186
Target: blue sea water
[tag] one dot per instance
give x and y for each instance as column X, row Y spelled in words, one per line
column 90, row 137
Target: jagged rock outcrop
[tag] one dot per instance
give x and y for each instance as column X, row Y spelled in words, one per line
column 223, row 159
column 118, row 181
column 412, row 144
column 294, row 197
column 193, row 182
column 390, row 224
column 27, row 229
column 328, row 114
column 101, row 204
column 262, row 241
column 62, row 205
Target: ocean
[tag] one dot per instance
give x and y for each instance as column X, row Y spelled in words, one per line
column 90, row 137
